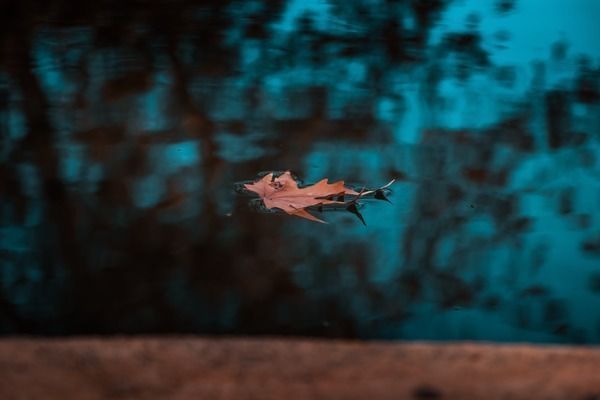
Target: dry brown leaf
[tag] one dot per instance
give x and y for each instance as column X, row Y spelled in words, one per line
column 282, row 192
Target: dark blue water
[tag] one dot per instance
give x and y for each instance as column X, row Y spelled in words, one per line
column 124, row 129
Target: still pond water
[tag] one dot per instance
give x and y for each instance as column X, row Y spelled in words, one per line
column 125, row 129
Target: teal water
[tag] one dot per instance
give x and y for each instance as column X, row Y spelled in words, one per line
column 124, row 129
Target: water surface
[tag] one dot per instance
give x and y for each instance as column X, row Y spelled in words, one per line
column 125, row 128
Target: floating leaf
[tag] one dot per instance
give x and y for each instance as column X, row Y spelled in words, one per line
column 282, row 192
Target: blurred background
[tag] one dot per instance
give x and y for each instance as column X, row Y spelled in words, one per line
column 124, row 126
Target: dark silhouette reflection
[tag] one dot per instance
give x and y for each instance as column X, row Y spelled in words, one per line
column 124, row 126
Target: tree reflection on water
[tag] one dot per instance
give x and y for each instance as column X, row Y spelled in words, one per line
column 125, row 126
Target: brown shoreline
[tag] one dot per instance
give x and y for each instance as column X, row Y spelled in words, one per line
column 289, row 369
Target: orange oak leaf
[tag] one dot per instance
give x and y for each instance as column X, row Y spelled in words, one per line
column 282, row 192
